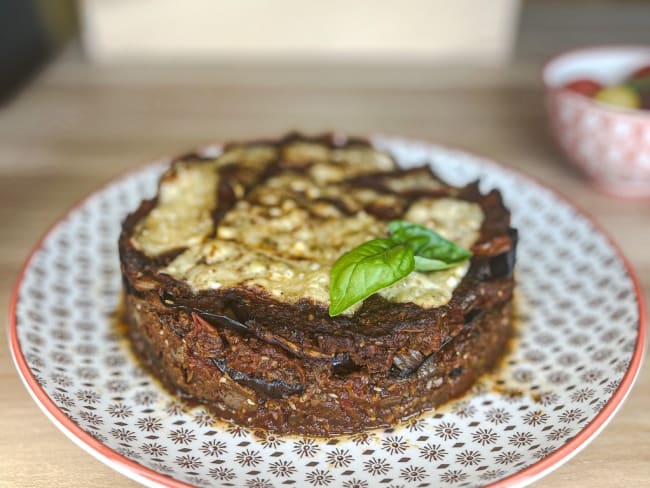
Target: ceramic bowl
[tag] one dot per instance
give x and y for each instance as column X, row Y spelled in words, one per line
column 610, row 145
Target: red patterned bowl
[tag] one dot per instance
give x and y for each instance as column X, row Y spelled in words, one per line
column 610, row 145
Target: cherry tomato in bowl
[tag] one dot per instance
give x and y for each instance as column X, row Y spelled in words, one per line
column 584, row 86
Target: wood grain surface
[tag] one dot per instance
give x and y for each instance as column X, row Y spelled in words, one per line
column 78, row 125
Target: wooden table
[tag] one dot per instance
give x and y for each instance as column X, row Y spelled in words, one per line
column 79, row 125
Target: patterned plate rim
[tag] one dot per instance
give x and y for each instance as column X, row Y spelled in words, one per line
column 151, row 477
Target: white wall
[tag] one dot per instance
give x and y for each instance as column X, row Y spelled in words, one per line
column 207, row 29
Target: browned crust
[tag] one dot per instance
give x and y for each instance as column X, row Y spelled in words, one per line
column 329, row 404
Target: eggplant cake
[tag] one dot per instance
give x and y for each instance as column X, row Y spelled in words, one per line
column 226, row 276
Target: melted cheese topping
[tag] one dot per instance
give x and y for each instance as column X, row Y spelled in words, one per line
column 413, row 183
column 290, row 255
column 187, row 196
column 284, row 252
column 182, row 216
column 285, row 236
column 456, row 220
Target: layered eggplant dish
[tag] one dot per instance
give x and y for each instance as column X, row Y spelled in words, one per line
column 311, row 286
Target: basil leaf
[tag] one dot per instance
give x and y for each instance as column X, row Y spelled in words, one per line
column 379, row 263
column 432, row 251
column 424, row 264
column 373, row 265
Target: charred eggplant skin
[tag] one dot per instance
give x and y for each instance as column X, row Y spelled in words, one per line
column 269, row 389
column 499, row 266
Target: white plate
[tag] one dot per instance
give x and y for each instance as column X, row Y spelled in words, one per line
column 579, row 347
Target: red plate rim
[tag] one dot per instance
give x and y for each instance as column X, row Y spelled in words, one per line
column 141, row 473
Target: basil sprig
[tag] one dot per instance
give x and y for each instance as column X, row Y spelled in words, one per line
column 379, row 263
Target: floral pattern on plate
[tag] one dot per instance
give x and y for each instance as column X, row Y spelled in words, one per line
column 575, row 355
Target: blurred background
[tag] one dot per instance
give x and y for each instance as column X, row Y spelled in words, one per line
column 90, row 89
column 32, row 32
